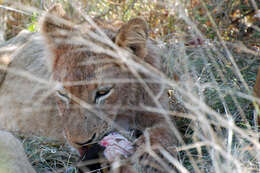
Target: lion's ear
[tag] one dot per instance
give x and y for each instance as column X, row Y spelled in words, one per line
column 55, row 22
column 133, row 35
column 56, row 30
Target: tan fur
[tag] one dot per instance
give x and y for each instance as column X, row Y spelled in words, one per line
column 24, row 105
column 7, row 48
column 29, row 105
column 12, row 156
column 86, row 118
column 257, row 90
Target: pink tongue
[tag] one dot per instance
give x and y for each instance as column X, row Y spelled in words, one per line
column 116, row 146
column 104, row 143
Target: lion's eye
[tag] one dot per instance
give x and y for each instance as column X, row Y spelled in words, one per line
column 102, row 93
column 63, row 94
column 133, row 48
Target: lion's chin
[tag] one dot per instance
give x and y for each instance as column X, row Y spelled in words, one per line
column 91, row 156
column 90, row 152
column 82, row 151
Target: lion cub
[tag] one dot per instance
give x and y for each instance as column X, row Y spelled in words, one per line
column 108, row 80
column 27, row 102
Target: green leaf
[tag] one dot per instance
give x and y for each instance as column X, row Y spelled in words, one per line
column 31, row 27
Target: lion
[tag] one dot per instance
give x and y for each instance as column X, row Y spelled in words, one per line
column 27, row 104
column 102, row 85
column 83, row 82
column 12, row 156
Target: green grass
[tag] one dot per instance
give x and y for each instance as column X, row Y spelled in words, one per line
column 48, row 155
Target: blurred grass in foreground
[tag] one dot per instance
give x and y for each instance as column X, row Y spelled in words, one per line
column 195, row 34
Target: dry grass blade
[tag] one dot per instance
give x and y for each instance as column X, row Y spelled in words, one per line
column 210, row 56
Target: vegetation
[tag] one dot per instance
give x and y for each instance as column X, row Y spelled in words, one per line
column 211, row 56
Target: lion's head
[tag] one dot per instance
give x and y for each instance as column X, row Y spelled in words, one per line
column 102, row 83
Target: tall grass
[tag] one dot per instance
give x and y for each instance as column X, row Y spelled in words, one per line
column 212, row 99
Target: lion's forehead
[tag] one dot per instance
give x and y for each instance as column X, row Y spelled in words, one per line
column 96, row 67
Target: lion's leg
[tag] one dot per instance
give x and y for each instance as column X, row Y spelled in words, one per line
column 151, row 149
